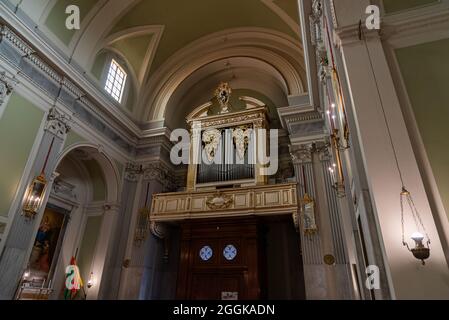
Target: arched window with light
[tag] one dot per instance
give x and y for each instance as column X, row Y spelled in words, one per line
column 116, row 81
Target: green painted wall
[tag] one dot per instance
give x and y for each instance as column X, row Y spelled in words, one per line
column 97, row 179
column 99, row 64
column 134, row 49
column 425, row 69
column 57, row 17
column 18, row 129
column 392, row 6
column 88, row 244
column 72, row 138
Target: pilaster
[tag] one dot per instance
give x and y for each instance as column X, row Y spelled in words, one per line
column 21, row 234
column 381, row 132
column 146, row 243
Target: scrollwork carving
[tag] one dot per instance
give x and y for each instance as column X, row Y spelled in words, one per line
column 132, row 172
column 219, row 201
column 302, row 153
column 158, row 230
column 6, row 86
column 223, row 95
column 160, row 173
column 241, row 138
column 211, row 139
column 315, row 20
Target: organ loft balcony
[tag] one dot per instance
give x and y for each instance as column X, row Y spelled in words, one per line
column 231, row 156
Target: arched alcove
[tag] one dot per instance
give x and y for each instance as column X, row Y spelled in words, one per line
column 77, row 219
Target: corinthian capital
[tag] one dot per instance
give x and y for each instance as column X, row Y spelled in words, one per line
column 132, row 172
column 301, row 153
column 57, row 123
column 7, row 85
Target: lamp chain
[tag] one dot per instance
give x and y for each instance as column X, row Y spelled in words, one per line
column 362, row 33
column 405, row 193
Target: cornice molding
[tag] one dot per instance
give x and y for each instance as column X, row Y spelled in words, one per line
column 70, row 70
column 399, row 30
column 73, row 98
column 432, row 22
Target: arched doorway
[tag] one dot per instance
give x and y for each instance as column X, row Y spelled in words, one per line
column 78, row 220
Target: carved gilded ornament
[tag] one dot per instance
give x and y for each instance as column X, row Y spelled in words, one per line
column 219, row 201
column 223, row 95
column 241, row 139
column 308, row 215
column 211, row 139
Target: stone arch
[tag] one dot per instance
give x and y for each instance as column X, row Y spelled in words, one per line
column 272, row 48
column 91, row 220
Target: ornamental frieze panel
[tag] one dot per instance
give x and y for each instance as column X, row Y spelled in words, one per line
column 258, row 200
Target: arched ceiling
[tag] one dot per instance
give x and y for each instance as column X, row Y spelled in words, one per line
column 171, row 43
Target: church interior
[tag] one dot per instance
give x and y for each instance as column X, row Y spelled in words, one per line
column 236, row 150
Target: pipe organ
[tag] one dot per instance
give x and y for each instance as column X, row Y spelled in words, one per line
column 229, row 155
column 225, row 176
column 226, row 149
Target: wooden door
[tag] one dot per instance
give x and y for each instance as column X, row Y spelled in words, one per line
column 221, row 258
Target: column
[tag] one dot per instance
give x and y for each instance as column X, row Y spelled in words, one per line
column 326, row 267
column 116, row 265
column 381, row 132
column 19, row 240
column 148, row 259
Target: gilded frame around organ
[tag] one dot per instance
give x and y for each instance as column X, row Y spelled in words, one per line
column 255, row 118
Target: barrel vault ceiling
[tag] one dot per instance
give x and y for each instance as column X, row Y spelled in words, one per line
column 149, row 34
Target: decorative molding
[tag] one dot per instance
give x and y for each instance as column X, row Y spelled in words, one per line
column 219, row 201
column 64, row 189
column 256, row 115
column 159, row 230
column 301, row 154
column 296, row 216
column 241, row 138
column 325, row 153
column 7, row 85
column 259, row 200
column 333, row 13
column 416, row 26
column 132, row 172
column 14, row 51
column 211, row 139
column 57, row 123
column 304, row 123
column 161, row 173
column 223, row 95
column 316, row 24
column 353, row 34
